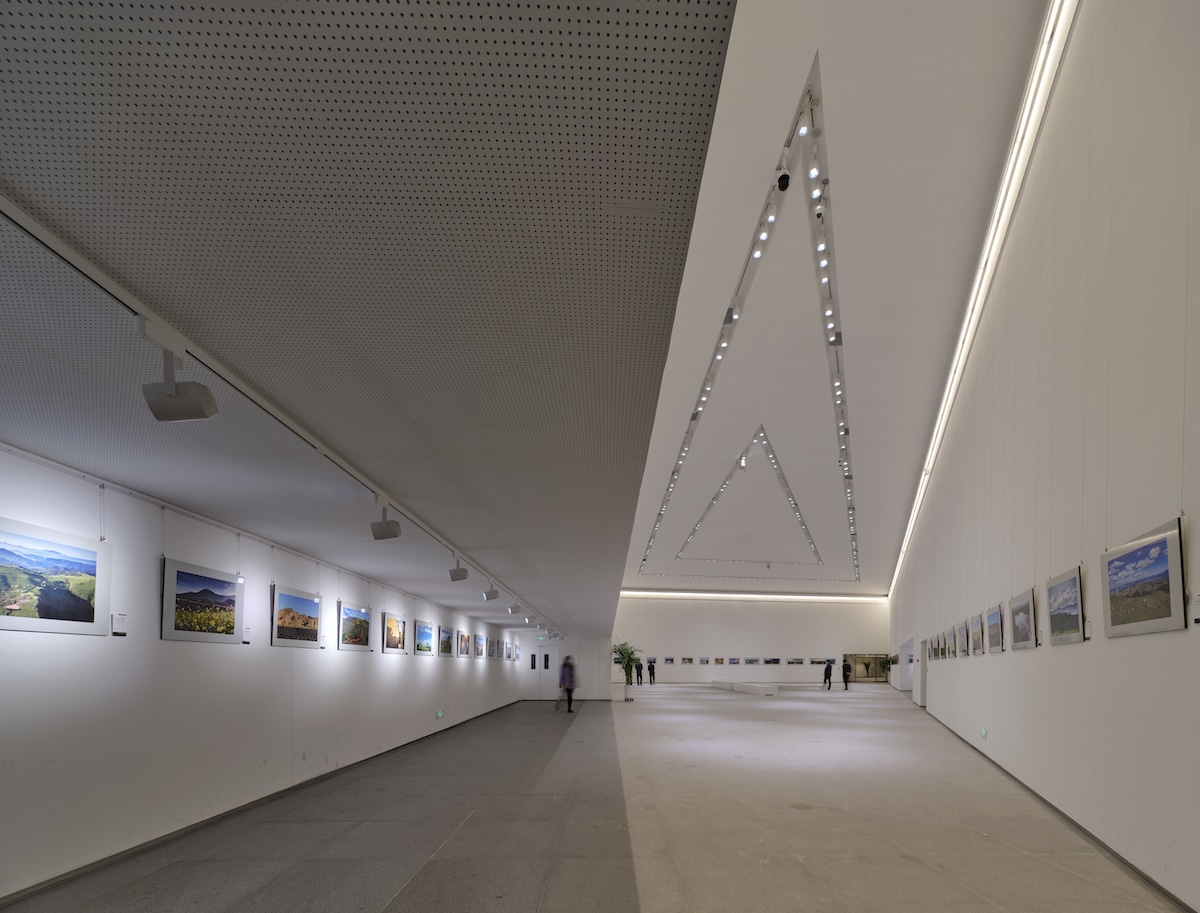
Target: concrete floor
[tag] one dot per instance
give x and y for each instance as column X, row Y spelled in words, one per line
column 688, row 800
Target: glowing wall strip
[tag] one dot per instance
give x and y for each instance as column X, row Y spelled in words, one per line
column 752, row 597
column 1055, row 31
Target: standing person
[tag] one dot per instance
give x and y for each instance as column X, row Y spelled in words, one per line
column 828, row 674
column 845, row 675
column 637, row 667
column 650, row 669
column 566, row 680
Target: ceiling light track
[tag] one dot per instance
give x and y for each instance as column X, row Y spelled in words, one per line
column 156, row 330
column 805, row 144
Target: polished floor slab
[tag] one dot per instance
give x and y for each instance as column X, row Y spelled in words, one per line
column 687, row 800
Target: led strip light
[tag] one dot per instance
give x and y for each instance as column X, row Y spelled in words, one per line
column 1055, row 32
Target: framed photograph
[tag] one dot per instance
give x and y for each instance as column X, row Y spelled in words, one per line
column 1023, row 621
column 770, row 660
column 821, row 660
column 200, row 603
column 491, row 648
column 295, row 619
column 1064, row 599
column 795, row 661
column 393, row 633
column 445, row 641
column 719, row 660
column 751, row 660
column 464, row 643
column 53, row 582
column 517, row 652
column 995, row 628
column 733, row 660
column 508, row 650
column 687, row 660
column 669, row 661
column 650, row 659
column 704, row 660
column 962, row 639
column 1143, row 584
column 424, row 641
column 976, row 623
column 480, row 646
column 354, row 628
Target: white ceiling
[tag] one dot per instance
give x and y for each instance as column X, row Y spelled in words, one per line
column 450, row 244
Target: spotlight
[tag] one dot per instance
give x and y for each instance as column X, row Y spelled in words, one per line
column 771, row 213
column 458, row 572
column 510, row 609
column 821, row 244
column 815, row 193
column 184, row 401
column 803, row 125
column 814, row 167
column 783, row 177
column 490, row 593
column 384, row 528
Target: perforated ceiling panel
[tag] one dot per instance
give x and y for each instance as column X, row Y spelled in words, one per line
column 447, row 237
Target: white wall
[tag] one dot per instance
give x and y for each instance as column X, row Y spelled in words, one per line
column 1077, row 429
column 724, row 628
column 107, row 742
column 591, row 665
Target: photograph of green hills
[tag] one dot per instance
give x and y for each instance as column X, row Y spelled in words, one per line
column 1139, row 585
column 44, row 579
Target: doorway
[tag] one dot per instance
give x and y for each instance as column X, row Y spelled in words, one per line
column 866, row 667
column 543, row 664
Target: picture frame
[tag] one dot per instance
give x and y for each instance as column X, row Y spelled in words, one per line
column 53, row 582
column 669, row 661
column 480, row 646
column 423, row 639
column 354, row 628
column 295, row 618
column 196, row 604
column 464, row 644
column 795, row 661
column 491, row 648
column 733, row 660
column 508, row 650
column 394, row 631
column 704, row 660
column 1022, row 616
column 687, row 660
column 751, row 660
column 976, row 622
column 517, row 652
column 770, row 660
column 1143, row 589
column 963, row 639
column 995, row 628
column 719, row 660
column 1064, row 604
column 445, row 641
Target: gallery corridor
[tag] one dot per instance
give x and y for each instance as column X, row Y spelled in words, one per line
column 688, row 800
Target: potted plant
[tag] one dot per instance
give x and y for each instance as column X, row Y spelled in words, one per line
column 626, row 655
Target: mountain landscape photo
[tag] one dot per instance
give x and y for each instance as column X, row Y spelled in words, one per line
column 44, row 579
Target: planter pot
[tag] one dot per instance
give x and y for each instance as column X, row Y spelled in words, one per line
column 629, row 692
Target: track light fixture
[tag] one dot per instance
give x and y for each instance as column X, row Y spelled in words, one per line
column 174, row 401
column 458, row 572
column 490, row 593
column 814, row 165
column 383, row 528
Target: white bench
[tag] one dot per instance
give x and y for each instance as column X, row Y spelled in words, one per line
column 755, row 688
column 728, row 686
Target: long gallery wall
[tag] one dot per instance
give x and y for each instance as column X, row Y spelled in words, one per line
column 1077, row 430
column 112, row 741
column 697, row 629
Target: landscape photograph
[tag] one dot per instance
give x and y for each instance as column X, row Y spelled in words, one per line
column 464, row 643
column 393, row 633
column 355, row 626
column 1023, row 632
column 204, row 604
column 1066, row 608
column 40, row 578
column 1139, row 585
column 480, row 645
column 445, row 641
column 976, row 634
column 995, row 632
column 424, row 644
column 297, row 618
